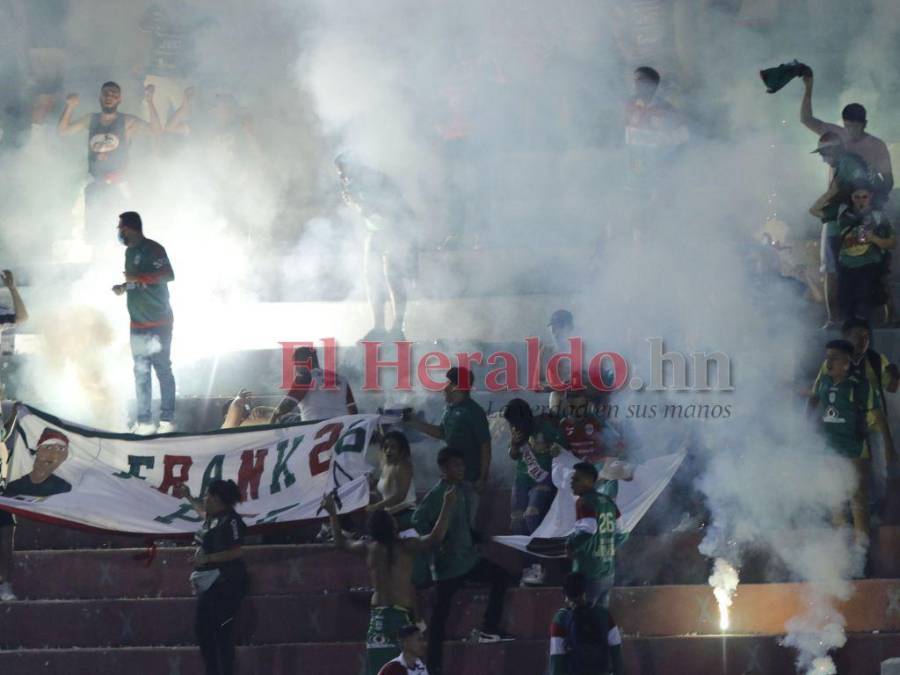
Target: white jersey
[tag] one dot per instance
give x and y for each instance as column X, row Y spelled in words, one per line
column 398, row 667
column 319, row 403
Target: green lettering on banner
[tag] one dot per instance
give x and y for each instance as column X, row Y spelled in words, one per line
column 353, row 440
column 135, row 464
column 281, row 466
column 212, row 472
column 180, row 514
column 270, row 516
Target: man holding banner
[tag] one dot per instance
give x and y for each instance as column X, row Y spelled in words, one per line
column 281, row 473
column 390, row 555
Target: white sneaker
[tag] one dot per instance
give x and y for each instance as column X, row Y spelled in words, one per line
column 535, row 575
column 143, row 428
column 323, row 536
column 6, row 592
column 165, row 427
column 480, row 637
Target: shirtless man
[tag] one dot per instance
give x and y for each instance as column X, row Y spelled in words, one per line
column 390, row 556
column 109, row 140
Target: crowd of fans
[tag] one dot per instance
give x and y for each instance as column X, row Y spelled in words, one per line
column 411, row 544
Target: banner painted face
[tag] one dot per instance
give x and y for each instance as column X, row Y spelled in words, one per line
column 124, row 483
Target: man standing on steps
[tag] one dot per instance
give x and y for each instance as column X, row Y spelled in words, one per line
column 856, row 140
column 390, row 556
column 147, row 274
column 457, row 561
column 109, row 139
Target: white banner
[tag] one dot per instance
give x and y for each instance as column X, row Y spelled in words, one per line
column 634, row 499
column 123, row 483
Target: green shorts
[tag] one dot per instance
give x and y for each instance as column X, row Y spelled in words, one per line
column 382, row 642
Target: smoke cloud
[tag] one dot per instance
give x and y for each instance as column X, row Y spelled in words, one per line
column 502, row 124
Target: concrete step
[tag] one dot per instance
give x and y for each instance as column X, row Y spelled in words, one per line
column 734, row 655
column 264, row 619
column 520, row 657
column 116, row 573
column 660, row 611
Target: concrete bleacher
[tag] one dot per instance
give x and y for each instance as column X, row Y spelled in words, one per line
column 91, row 603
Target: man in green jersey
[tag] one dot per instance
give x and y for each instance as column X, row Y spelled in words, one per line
column 842, row 400
column 463, row 426
column 592, row 544
column 147, row 274
column 534, row 442
column 456, row 560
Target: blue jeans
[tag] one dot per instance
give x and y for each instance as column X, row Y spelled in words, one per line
column 150, row 348
column 529, row 506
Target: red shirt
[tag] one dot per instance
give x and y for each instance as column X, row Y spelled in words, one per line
column 585, row 440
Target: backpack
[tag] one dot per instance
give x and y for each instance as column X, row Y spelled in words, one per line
column 587, row 641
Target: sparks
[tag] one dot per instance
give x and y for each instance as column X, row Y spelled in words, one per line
column 724, row 581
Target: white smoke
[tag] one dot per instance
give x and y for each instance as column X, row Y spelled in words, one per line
column 536, row 181
column 724, row 581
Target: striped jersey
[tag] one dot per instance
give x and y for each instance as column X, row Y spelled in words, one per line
column 398, row 667
column 560, row 638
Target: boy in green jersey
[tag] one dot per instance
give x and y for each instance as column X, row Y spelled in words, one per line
column 841, row 401
column 592, row 545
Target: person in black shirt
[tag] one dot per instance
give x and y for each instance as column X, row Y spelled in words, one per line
column 220, row 577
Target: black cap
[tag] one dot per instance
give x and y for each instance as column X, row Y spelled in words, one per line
column 463, row 375
column 561, row 317
column 854, row 112
column 828, row 140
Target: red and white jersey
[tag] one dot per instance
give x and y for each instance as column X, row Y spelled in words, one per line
column 590, row 439
column 398, row 667
column 324, row 397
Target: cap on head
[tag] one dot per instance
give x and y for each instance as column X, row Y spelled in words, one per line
column 854, row 112
column 828, row 141
column 858, row 185
column 560, row 318
column 53, row 437
column 131, row 220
